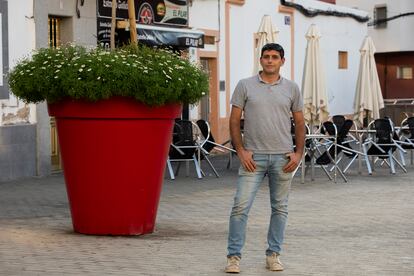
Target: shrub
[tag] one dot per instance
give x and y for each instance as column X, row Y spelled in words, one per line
column 152, row 76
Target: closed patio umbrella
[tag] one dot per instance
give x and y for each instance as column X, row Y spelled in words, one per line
column 315, row 102
column 267, row 33
column 313, row 82
column 368, row 97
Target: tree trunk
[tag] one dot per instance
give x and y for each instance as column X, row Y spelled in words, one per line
column 132, row 22
column 113, row 24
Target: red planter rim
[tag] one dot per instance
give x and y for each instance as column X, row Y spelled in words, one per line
column 113, row 108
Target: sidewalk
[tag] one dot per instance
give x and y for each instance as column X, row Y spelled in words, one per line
column 364, row 227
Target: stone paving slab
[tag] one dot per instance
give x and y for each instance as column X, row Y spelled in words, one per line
column 363, row 227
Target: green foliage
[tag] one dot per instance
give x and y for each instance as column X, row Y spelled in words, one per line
column 152, row 76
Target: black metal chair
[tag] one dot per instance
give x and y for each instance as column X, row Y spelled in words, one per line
column 344, row 141
column 342, row 144
column 382, row 145
column 406, row 135
column 233, row 152
column 344, row 126
column 309, row 149
column 208, row 143
column 183, row 148
column 338, row 120
column 332, row 145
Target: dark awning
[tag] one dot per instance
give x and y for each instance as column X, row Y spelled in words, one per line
column 158, row 36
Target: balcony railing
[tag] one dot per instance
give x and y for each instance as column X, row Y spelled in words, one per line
column 398, row 109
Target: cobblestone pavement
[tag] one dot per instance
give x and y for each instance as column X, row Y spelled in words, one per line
column 363, row 227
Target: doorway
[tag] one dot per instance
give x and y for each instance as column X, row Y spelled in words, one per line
column 204, row 110
column 209, row 105
column 54, row 40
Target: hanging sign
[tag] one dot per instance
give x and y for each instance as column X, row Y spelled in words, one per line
column 152, row 12
column 155, row 20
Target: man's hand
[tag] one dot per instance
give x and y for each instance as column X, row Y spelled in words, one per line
column 246, row 159
column 294, row 160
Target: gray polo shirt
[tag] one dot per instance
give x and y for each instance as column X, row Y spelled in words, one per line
column 267, row 114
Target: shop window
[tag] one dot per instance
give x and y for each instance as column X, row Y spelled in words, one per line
column 380, row 15
column 54, row 31
column 404, row 73
column 342, row 60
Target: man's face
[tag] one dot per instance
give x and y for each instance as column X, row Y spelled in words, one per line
column 271, row 61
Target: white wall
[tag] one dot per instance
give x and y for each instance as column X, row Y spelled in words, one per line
column 338, row 34
column 203, row 14
column 244, row 22
column 210, row 14
column 21, row 31
column 396, row 36
column 25, row 36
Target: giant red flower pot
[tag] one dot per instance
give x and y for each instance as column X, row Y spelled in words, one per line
column 113, row 155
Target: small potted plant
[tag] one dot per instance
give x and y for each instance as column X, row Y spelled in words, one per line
column 114, row 113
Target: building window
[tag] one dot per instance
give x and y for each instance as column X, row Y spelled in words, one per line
column 237, row 2
column 404, row 73
column 380, row 15
column 54, row 31
column 342, row 60
column 208, row 39
column 287, row 20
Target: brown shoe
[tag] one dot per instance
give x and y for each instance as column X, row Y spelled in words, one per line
column 273, row 263
column 233, row 264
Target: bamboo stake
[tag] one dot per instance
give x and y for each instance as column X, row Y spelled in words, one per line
column 113, row 24
column 132, row 22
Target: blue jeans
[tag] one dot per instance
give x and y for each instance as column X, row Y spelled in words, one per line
column 247, row 187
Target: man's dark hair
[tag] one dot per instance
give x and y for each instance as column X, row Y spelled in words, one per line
column 275, row 47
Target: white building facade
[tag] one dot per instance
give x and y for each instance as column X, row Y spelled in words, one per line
column 229, row 28
column 237, row 26
column 390, row 28
column 26, row 144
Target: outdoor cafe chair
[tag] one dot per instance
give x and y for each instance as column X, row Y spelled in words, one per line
column 345, row 144
column 406, row 135
column 208, row 143
column 382, row 144
column 338, row 120
column 352, row 149
column 333, row 145
column 312, row 144
column 233, row 152
column 306, row 153
column 183, row 148
column 400, row 150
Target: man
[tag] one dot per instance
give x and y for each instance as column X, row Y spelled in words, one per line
column 268, row 101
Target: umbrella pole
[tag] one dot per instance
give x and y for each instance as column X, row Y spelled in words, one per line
column 364, row 125
column 312, row 153
column 302, row 176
